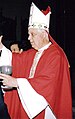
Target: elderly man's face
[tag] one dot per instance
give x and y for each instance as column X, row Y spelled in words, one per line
column 36, row 38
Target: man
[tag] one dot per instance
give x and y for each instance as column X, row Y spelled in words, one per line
column 4, row 60
column 42, row 75
column 16, row 47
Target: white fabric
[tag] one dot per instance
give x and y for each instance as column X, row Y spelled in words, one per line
column 36, row 59
column 6, row 56
column 49, row 114
column 32, row 102
column 38, row 19
column 35, row 62
column 5, row 59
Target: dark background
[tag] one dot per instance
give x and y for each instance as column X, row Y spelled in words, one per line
column 14, row 15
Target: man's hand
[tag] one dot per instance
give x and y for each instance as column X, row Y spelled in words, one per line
column 8, row 80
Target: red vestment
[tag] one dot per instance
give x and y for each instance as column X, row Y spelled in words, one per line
column 51, row 80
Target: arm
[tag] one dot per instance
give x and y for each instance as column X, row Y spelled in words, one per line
column 24, row 89
column 32, row 102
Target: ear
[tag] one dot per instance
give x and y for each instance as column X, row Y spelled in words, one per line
column 45, row 34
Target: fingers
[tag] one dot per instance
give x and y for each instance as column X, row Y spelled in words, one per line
column 5, row 82
column 4, row 75
column 8, row 80
column 1, row 77
column 4, row 79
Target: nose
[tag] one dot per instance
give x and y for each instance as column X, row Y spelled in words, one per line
column 29, row 37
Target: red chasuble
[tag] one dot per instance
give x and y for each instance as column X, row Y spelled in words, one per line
column 51, row 80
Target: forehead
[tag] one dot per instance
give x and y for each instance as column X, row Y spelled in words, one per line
column 32, row 30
